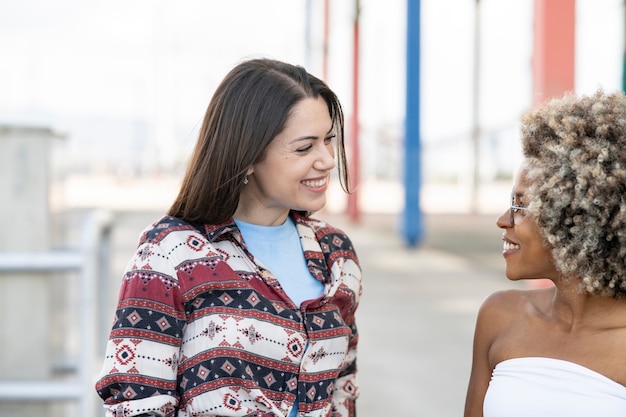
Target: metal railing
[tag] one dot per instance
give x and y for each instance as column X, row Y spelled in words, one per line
column 90, row 261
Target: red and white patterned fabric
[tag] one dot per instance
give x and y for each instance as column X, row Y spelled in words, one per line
column 201, row 329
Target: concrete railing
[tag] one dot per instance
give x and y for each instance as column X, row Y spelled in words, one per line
column 90, row 261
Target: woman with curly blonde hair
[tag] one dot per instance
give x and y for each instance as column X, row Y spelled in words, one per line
column 560, row 350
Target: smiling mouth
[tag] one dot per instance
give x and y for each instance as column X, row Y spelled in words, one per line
column 314, row 183
column 509, row 246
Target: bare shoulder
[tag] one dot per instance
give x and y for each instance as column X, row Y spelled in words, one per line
column 503, row 307
column 504, row 300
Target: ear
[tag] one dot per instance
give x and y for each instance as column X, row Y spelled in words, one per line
column 250, row 170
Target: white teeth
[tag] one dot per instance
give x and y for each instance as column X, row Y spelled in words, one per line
column 509, row 246
column 315, row 184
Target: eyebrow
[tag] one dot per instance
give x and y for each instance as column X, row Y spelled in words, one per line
column 312, row 137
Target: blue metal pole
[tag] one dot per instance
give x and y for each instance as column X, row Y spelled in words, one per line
column 412, row 228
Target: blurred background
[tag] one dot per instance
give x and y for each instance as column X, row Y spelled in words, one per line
column 100, row 106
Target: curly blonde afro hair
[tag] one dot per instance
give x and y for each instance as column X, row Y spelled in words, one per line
column 575, row 152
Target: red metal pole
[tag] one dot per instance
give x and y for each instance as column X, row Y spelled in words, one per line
column 353, row 206
column 553, row 49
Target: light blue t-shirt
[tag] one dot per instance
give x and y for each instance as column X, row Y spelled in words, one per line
column 280, row 250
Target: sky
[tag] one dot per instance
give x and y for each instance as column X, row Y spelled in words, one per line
column 129, row 81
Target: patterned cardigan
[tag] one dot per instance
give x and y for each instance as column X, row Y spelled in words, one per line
column 202, row 329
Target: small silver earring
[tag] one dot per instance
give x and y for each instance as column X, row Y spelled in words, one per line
column 245, row 180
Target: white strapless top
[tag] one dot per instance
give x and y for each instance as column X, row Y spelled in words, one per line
column 544, row 387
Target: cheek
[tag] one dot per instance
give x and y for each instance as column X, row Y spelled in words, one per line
column 332, row 149
column 540, row 256
column 530, row 238
column 543, row 254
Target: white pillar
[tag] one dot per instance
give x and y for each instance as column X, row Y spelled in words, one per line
column 26, row 302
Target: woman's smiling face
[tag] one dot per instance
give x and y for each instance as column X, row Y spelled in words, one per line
column 295, row 170
column 523, row 250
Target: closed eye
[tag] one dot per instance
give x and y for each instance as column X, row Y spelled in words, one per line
column 305, row 149
column 518, row 205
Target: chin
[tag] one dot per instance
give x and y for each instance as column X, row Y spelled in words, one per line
column 512, row 277
column 312, row 208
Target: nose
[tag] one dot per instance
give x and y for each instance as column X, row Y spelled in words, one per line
column 504, row 221
column 326, row 159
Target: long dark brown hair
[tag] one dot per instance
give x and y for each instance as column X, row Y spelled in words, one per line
column 248, row 109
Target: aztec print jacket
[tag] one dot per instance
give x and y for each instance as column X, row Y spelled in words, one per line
column 201, row 329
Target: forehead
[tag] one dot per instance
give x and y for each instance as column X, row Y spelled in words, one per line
column 309, row 109
column 309, row 117
column 522, row 180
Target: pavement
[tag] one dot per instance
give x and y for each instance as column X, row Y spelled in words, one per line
column 417, row 312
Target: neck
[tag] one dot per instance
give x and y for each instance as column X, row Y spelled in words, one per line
column 574, row 307
column 262, row 218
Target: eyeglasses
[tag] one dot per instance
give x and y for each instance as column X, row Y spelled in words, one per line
column 514, row 208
